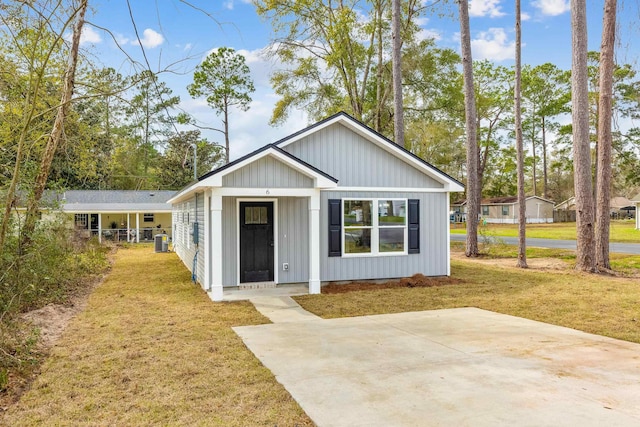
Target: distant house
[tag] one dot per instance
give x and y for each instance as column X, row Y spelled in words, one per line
column 336, row 201
column 119, row 215
column 504, row 210
column 622, row 208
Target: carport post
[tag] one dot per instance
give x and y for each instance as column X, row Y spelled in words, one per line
column 314, row 242
column 215, row 234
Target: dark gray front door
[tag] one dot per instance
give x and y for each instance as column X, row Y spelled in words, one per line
column 256, row 242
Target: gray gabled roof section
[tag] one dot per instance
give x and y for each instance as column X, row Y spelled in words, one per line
column 115, row 200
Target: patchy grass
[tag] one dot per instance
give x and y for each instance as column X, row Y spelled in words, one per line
column 626, row 265
column 603, row 305
column 151, row 349
column 622, row 231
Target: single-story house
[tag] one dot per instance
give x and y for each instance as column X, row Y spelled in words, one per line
column 504, row 210
column 622, row 208
column 336, row 201
column 121, row 215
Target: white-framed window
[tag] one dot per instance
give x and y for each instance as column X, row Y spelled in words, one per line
column 505, row 210
column 374, row 227
column 485, row 210
column 82, row 220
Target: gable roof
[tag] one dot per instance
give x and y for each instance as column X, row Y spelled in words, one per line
column 381, row 141
column 214, row 178
column 322, row 179
column 115, row 200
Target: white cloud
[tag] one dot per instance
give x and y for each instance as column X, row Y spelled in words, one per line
column 89, row 35
column 493, row 44
column 491, row 8
column 525, row 16
column 426, row 33
column 151, row 39
column 551, row 7
column 229, row 4
column 187, row 47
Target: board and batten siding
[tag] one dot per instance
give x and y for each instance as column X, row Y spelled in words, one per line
column 292, row 240
column 431, row 261
column 185, row 214
column 267, row 172
column 356, row 162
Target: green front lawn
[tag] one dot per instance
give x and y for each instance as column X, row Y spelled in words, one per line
column 622, row 231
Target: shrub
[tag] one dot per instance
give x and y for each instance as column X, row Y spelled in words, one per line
column 52, row 268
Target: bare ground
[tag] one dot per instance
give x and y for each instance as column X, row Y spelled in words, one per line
column 534, row 264
column 50, row 322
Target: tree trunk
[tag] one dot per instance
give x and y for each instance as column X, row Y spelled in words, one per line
column 398, row 110
column 379, row 97
column 604, row 135
column 545, row 181
column 522, row 206
column 56, row 133
column 473, row 188
column 226, row 133
column 585, row 233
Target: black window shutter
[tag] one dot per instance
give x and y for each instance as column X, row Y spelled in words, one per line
column 414, row 226
column 335, row 227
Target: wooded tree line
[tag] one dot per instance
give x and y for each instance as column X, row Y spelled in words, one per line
column 338, row 60
column 119, row 132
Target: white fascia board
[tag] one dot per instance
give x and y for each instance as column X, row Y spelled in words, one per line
column 186, row 193
column 115, row 208
column 449, row 184
column 320, row 180
column 264, row 192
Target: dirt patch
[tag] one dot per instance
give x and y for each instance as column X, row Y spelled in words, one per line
column 50, row 321
column 415, row 281
column 534, row 264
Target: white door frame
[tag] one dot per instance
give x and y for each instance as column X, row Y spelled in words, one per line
column 275, row 234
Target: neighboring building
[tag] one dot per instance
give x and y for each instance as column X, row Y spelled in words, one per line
column 622, row 208
column 334, row 202
column 120, row 215
column 504, row 210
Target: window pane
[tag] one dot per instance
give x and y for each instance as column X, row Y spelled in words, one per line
column 262, row 214
column 505, row 210
column 485, row 210
column 255, row 215
column 391, row 240
column 357, row 212
column 392, row 212
column 357, row 240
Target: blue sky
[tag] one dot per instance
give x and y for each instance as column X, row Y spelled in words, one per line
column 177, row 36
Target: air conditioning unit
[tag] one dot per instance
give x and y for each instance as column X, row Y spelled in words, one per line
column 161, row 243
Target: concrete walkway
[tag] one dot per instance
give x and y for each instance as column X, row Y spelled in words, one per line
column 282, row 309
column 463, row 367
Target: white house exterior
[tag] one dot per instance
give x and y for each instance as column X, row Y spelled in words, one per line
column 334, row 202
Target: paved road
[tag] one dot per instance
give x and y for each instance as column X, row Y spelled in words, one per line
column 623, row 248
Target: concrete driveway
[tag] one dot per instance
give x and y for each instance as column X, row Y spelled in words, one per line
column 450, row 367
